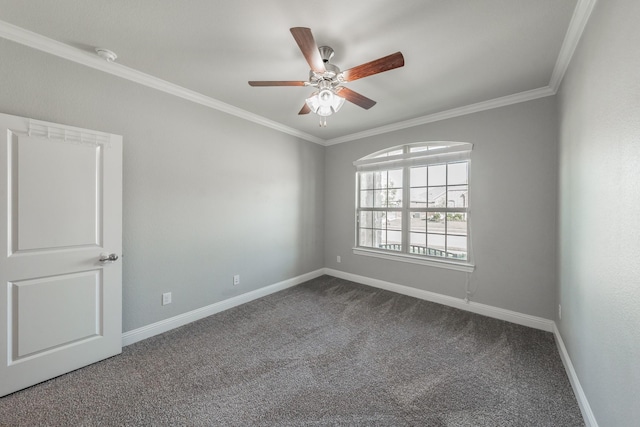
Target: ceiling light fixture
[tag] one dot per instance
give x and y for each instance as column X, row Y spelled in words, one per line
column 324, row 102
column 328, row 79
column 106, row 54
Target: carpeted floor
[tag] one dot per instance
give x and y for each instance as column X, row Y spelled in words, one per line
column 328, row 352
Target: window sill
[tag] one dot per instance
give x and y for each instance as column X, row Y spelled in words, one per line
column 444, row 263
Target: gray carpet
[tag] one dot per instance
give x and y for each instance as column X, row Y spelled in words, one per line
column 328, row 352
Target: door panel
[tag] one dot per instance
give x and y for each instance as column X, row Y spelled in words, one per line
column 61, row 206
column 57, row 193
column 68, row 308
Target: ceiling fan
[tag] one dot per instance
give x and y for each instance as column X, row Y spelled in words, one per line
column 328, row 79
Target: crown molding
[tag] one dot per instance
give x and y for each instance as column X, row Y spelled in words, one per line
column 36, row 41
column 578, row 22
column 581, row 15
column 449, row 114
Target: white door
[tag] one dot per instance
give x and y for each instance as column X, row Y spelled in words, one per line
column 60, row 213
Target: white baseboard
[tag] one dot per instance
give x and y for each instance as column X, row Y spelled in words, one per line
column 585, row 408
column 148, row 331
column 156, row 328
column 474, row 307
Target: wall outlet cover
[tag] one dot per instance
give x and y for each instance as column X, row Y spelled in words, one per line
column 166, row 298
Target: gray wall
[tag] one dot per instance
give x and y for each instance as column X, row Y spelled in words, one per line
column 599, row 106
column 513, row 203
column 206, row 195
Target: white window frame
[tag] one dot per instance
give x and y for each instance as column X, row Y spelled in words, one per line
column 435, row 152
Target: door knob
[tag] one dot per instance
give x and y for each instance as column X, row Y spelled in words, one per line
column 108, row 258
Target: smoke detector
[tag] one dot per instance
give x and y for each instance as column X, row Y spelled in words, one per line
column 106, row 54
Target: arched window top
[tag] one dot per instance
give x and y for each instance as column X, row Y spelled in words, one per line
column 418, row 153
column 423, row 148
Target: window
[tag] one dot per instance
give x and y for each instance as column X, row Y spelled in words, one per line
column 413, row 204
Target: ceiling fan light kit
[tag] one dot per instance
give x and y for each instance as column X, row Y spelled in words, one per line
column 324, row 102
column 328, row 79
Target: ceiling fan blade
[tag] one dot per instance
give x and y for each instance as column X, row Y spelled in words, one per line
column 276, row 83
column 305, row 109
column 355, row 97
column 395, row 60
column 309, row 48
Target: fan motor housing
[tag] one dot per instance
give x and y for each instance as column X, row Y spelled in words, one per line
column 331, row 71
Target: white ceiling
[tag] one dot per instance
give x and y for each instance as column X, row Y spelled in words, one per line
column 457, row 52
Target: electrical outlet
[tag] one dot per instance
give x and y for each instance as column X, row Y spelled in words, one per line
column 166, row 298
column 338, row 259
column 236, row 280
column 559, row 311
